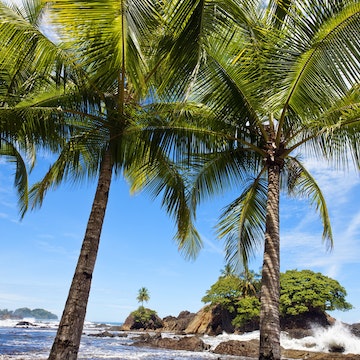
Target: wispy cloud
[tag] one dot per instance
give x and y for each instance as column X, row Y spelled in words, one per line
column 304, row 249
column 334, row 183
column 213, row 246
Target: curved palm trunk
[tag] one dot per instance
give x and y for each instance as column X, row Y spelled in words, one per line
column 67, row 342
column 270, row 285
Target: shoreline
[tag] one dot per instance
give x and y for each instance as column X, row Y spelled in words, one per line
column 233, row 347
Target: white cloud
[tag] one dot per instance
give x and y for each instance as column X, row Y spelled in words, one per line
column 335, row 184
column 304, row 249
column 212, row 247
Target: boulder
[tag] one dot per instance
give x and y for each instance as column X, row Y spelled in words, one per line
column 238, row 348
column 306, row 321
column 191, row 343
column 178, row 324
column 211, row 320
column 103, row 334
column 355, row 329
column 153, row 323
column 25, row 324
column 251, row 349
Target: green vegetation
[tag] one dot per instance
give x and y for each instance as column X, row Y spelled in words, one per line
column 146, row 319
column 304, row 291
column 143, row 295
column 21, row 313
column 301, row 292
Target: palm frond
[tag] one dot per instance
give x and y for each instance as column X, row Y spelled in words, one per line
column 13, row 155
column 301, row 184
column 161, row 177
column 242, row 223
column 334, row 135
column 117, row 33
column 323, row 54
column 216, row 172
column 193, row 26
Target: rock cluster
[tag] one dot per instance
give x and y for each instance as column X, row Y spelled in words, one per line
column 213, row 321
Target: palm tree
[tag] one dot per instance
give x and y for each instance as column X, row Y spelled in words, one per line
column 281, row 79
column 143, row 295
column 249, row 282
column 97, row 77
column 20, row 134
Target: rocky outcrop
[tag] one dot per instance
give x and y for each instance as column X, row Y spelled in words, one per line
column 238, row 348
column 152, row 323
column 214, row 320
column 103, row 334
column 25, row 324
column 178, row 324
column 249, row 349
column 191, row 343
column 211, row 320
column 306, row 321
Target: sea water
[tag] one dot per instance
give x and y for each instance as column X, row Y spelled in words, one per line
column 34, row 342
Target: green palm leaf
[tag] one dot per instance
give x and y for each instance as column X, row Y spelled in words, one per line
column 301, row 184
column 242, row 224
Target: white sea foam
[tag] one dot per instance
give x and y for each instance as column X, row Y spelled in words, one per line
column 31, row 323
column 338, row 335
column 214, row 341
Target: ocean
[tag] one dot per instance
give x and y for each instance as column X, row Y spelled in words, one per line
column 34, row 342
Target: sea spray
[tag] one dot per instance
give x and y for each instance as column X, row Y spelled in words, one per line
column 338, row 335
column 323, row 339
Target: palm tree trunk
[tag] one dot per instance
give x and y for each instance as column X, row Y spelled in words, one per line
column 270, row 285
column 67, row 341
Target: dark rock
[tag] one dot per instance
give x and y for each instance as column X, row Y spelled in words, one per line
column 103, row 334
column 178, row 324
column 122, row 334
column 355, row 329
column 336, row 348
column 306, row 321
column 25, row 324
column 191, row 343
column 144, row 337
column 238, row 348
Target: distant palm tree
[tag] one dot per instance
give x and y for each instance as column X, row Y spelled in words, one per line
column 227, row 271
column 250, row 283
column 143, row 295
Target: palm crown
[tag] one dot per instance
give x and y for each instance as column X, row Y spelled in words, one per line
column 280, row 78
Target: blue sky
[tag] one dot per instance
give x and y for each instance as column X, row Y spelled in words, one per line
column 39, row 253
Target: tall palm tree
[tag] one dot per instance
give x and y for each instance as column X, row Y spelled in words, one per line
column 97, row 75
column 281, row 78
